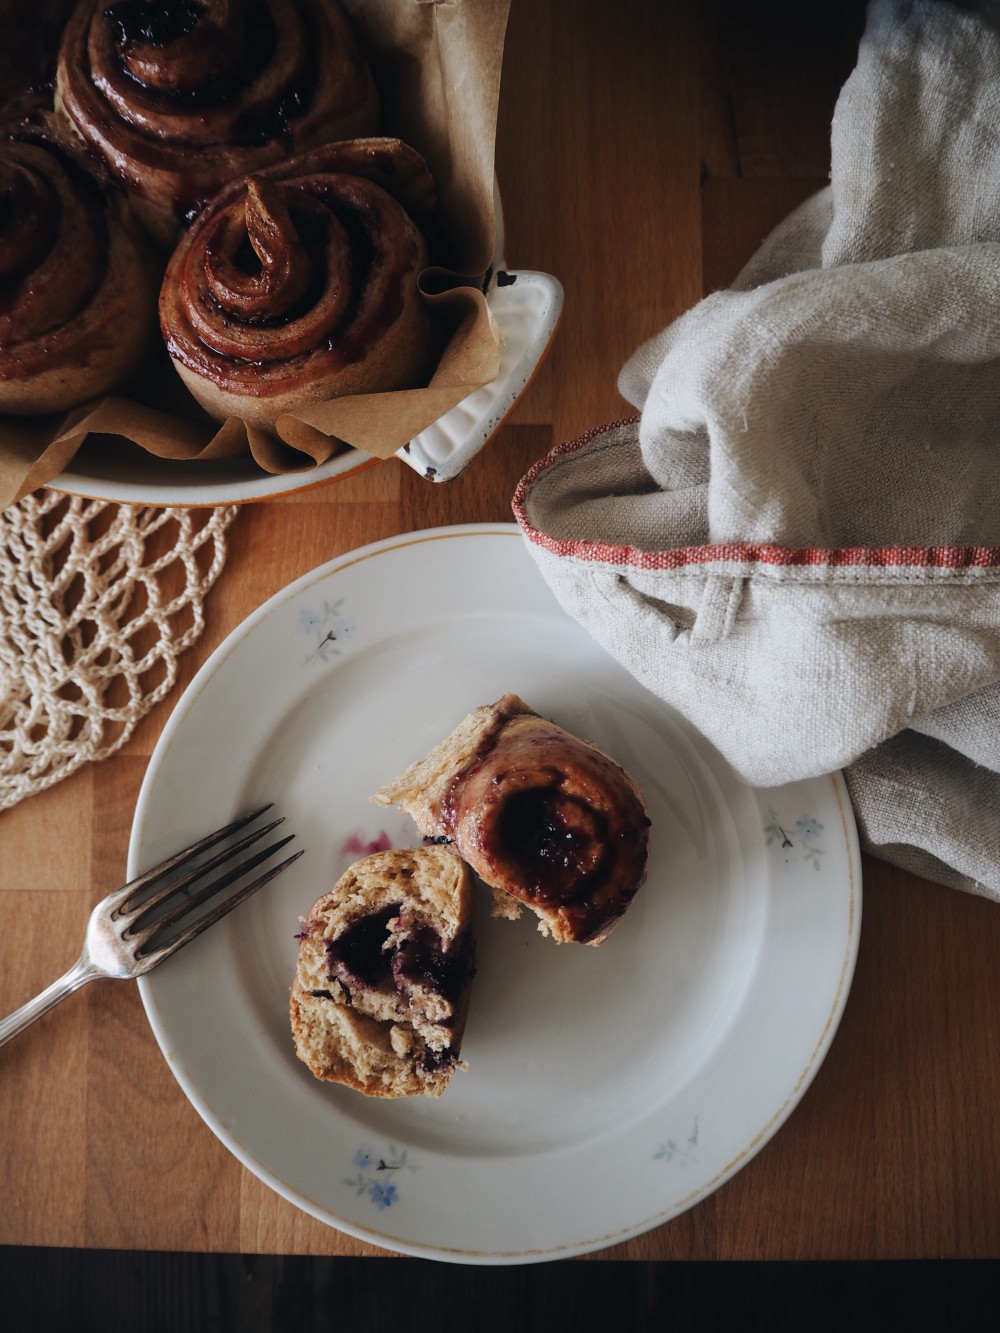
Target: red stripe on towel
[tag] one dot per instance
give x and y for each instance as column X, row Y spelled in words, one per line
column 770, row 556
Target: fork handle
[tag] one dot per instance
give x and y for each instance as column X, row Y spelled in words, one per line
column 83, row 970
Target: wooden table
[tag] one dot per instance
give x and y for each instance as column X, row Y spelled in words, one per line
column 644, row 150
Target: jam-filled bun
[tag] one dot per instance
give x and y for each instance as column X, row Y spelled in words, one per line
column 78, row 283
column 300, row 284
column 385, row 966
column 547, row 820
column 180, row 96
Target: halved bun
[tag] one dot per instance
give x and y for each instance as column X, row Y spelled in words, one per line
column 385, row 964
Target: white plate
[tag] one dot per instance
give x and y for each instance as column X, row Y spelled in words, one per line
column 608, row 1089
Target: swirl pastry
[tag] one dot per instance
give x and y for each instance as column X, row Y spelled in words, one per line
column 548, row 821
column 384, row 971
column 180, row 96
column 77, row 286
column 299, row 284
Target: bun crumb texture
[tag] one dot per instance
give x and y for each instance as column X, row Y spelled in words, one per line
column 385, row 964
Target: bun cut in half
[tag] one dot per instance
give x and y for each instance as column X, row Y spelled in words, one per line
column 385, row 965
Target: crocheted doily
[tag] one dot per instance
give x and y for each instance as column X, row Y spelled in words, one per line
column 97, row 603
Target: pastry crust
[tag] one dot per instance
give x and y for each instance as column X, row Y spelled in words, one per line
column 547, row 820
column 78, row 283
column 300, row 284
column 179, row 100
column 385, row 965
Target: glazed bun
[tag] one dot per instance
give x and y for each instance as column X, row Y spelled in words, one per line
column 300, row 284
column 177, row 98
column 78, row 284
column 385, row 966
column 548, row 821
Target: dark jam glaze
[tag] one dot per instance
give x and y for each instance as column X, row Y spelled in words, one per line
column 551, row 820
column 311, row 233
column 376, row 301
column 560, row 842
column 137, row 21
column 30, row 212
column 138, row 24
column 253, row 130
column 357, row 333
column 36, row 212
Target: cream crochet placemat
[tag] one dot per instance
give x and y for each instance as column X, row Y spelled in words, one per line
column 97, row 603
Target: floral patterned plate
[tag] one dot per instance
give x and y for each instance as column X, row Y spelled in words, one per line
column 607, row 1089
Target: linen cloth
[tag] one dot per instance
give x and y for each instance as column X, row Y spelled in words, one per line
column 798, row 542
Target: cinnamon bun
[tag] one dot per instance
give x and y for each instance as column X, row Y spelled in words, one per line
column 77, row 283
column 300, row 284
column 180, row 96
column 548, row 821
column 385, row 965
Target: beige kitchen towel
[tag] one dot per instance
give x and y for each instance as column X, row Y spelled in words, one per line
column 797, row 543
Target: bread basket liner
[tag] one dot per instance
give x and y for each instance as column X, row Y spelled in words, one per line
column 437, row 66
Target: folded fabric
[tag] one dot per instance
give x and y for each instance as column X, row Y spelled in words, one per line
column 798, row 542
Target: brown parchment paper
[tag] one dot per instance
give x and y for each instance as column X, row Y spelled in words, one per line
column 437, row 64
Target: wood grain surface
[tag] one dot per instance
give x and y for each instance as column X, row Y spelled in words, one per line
column 644, row 150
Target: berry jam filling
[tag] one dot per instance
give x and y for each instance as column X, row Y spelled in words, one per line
column 421, row 960
column 431, row 1061
column 357, row 956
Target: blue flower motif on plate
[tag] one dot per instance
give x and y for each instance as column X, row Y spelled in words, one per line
column 684, row 1153
column 371, row 1178
column 381, row 1195
column 795, row 842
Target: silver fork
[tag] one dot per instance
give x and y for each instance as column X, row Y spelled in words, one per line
column 125, row 927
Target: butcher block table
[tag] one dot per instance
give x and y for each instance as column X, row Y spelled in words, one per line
column 644, row 150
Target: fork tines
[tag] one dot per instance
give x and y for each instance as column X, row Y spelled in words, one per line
column 141, row 920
